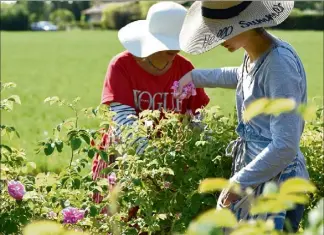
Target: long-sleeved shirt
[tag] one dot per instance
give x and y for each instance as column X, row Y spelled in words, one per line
column 121, row 118
column 278, row 73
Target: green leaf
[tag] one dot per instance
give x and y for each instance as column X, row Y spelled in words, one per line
column 75, row 143
column 8, row 85
column 31, row 165
column 15, row 99
column 297, row 185
column 77, row 232
column 76, row 183
column 85, row 137
column 11, row 131
column 308, row 112
column 3, row 130
column 7, row 105
column 137, row 182
column 72, row 134
column 104, row 156
column 275, row 203
column 153, row 163
column 6, row 148
column 98, row 188
column 59, row 146
column 24, row 170
column 30, row 195
column 40, row 179
column 42, row 228
column 255, row 108
column 195, row 203
column 281, row 105
column 169, row 171
column 200, row 143
column 48, row 149
column 17, row 134
column 93, row 211
column 162, row 216
column 107, row 170
column 59, row 127
column 103, row 182
column 64, row 179
column 263, row 205
column 212, row 185
column 211, row 219
column 69, row 124
column 76, row 100
column 52, row 100
column 91, row 153
column 290, row 198
column 253, row 229
column 268, row 106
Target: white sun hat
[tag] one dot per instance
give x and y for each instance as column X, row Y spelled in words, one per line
column 159, row 32
column 210, row 23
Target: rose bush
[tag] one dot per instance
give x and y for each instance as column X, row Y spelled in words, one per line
column 156, row 192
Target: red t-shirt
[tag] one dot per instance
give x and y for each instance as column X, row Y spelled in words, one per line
column 129, row 84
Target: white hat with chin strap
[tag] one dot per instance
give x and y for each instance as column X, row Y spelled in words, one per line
column 159, row 32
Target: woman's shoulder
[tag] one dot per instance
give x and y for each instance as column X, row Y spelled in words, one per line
column 284, row 56
column 121, row 59
column 283, row 51
column 183, row 62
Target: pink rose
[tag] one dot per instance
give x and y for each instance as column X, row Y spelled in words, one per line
column 167, row 184
column 112, row 179
column 72, row 215
column 187, row 91
column 51, row 215
column 16, row 189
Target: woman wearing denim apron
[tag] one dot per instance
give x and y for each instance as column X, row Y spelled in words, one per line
column 268, row 146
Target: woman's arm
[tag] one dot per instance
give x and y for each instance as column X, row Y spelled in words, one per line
column 122, row 112
column 222, row 77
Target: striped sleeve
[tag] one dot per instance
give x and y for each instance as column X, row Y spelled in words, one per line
column 122, row 112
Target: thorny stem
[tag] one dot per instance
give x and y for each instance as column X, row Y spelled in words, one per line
column 76, row 115
column 76, row 118
column 76, row 126
column 72, row 154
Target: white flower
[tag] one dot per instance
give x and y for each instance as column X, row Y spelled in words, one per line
column 148, row 123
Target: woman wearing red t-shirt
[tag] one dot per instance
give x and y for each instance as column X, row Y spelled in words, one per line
column 141, row 77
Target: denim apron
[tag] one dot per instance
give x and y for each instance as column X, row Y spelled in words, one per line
column 238, row 151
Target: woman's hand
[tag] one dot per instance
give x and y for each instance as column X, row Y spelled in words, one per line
column 185, row 80
column 226, row 198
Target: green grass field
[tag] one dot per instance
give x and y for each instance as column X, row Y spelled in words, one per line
column 70, row 64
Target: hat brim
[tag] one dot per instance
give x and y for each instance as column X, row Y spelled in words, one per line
column 199, row 34
column 137, row 39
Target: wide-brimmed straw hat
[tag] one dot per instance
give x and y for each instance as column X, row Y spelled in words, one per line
column 159, row 32
column 210, row 23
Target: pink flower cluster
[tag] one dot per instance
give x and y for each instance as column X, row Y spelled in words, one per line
column 112, row 178
column 187, row 91
column 72, row 215
column 51, row 215
column 16, row 189
column 167, row 184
